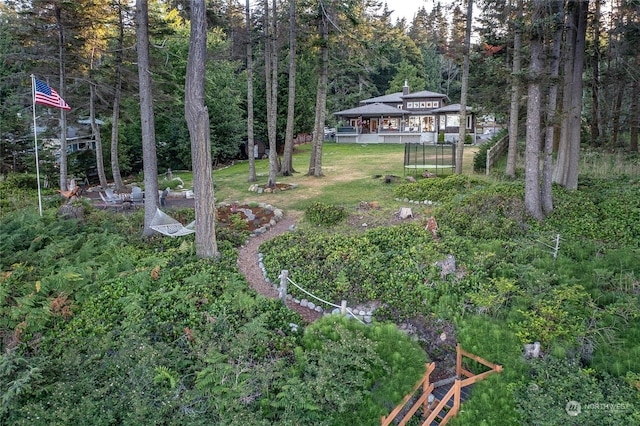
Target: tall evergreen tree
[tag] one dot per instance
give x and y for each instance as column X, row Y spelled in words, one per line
column 197, row 117
column 150, row 161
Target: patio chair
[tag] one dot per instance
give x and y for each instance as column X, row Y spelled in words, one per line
column 137, row 196
column 166, row 225
column 109, row 198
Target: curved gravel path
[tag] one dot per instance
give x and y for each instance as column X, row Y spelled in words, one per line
column 249, row 266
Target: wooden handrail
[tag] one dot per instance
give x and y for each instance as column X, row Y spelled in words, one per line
column 385, row 421
column 494, row 152
column 454, row 393
column 430, row 413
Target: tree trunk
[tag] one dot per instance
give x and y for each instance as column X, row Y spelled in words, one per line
column 147, row 125
column 617, row 107
column 596, row 137
column 568, row 57
column 61, row 89
column 315, row 163
column 271, row 56
column 250, row 136
column 462, row 134
column 552, row 104
column 115, row 162
column 534, row 102
column 575, row 114
column 96, row 136
column 634, row 110
column 287, row 161
column 197, row 117
column 512, row 153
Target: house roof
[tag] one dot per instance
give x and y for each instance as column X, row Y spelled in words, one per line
column 450, row 108
column 376, row 109
column 393, row 97
column 423, row 94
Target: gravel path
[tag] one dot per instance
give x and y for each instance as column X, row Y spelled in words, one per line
column 248, row 265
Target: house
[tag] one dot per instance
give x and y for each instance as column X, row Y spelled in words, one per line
column 79, row 138
column 403, row 117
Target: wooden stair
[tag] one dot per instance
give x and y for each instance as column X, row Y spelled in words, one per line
column 440, row 392
column 439, row 402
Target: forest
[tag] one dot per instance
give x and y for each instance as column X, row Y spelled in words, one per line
column 103, row 322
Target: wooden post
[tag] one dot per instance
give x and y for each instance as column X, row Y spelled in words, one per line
column 282, row 290
column 456, row 397
column 426, row 406
column 343, row 307
column 458, row 360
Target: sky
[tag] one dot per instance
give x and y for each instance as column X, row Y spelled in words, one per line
column 408, row 8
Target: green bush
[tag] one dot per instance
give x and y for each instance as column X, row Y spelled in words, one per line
column 346, row 370
column 555, row 383
column 173, row 183
column 438, row 189
column 20, row 181
column 497, row 211
column 324, row 214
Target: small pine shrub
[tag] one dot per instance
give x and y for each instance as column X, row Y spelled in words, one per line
column 480, row 159
column 325, row 215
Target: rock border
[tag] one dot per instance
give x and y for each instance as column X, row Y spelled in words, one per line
column 364, row 313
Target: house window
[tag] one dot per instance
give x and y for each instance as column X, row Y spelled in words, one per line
column 414, row 124
column 469, row 121
column 409, row 104
column 427, row 124
column 428, row 104
column 443, row 121
column 453, row 120
column 400, row 106
column 390, row 124
column 423, row 104
column 436, row 104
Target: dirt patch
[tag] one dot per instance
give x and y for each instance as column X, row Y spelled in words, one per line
column 243, row 217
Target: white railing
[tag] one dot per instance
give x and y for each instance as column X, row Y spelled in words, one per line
column 282, row 294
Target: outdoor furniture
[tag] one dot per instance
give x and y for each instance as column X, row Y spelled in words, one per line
column 112, row 195
column 137, row 196
column 163, row 196
column 166, row 225
column 109, row 197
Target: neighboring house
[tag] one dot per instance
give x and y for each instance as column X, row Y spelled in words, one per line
column 403, row 117
column 79, row 138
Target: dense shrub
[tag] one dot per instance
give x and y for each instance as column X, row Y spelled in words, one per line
column 380, row 264
column 606, row 211
column 438, row 189
column 346, row 370
column 325, row 215
column 497, row 211
column 556, row 383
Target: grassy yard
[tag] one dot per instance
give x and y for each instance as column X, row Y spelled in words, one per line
column 350, row 172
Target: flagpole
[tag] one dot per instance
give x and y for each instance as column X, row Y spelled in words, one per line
column 35, row 138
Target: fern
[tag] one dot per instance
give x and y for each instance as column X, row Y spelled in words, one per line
column 165, row 376
column 16, row 377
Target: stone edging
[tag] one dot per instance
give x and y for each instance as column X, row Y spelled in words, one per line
column 406, row 200
column 277, row 216
column 364, row 315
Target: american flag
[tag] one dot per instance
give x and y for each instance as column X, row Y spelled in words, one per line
column 45, row 95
